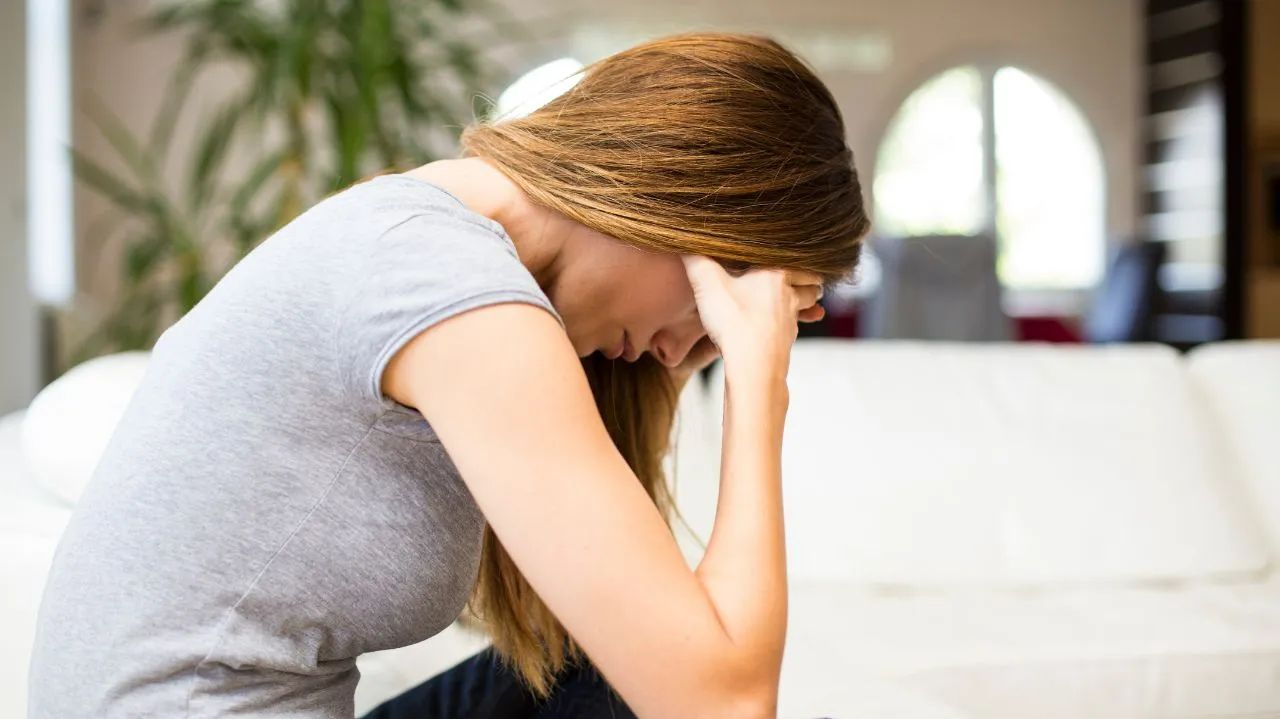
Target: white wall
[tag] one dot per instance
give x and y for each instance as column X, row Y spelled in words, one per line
column 19, row 346
column 1089, row 48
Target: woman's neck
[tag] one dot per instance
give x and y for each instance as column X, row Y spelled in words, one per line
column 537, row 233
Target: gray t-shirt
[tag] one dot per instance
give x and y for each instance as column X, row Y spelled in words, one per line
column 263, row 514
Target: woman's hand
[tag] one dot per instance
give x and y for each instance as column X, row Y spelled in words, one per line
column 703, row 353
column 752, row 317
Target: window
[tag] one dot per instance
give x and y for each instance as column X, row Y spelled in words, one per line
column 538, row 87
column 50, row 206
column 977, row 150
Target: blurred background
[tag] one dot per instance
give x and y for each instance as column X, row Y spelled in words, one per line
column 1114, row 159
column 1073, row 276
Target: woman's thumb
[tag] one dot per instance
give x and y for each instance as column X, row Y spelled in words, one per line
column 703, row 270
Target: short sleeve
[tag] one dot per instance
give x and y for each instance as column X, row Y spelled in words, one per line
column 422, row 271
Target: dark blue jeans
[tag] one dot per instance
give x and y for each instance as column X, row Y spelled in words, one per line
column 482, row 688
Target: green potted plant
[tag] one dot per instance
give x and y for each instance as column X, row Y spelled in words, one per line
column 333, row 90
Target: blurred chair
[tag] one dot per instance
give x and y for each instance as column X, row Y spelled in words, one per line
column 937, row 287
column 1126, row 303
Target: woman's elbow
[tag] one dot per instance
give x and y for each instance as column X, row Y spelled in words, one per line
column 750, row 693
column 726, row 683
column 761, row 703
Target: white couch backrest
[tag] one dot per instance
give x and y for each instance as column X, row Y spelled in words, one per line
column 1240, row 383
column 68, row 425
column 693, row 467
column 932, row 465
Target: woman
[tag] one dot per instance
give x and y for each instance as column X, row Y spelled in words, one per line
column 273, row 503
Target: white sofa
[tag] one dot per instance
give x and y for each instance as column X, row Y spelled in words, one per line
column 1018, row 531
column 982, row 531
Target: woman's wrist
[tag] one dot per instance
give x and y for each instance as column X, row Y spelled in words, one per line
column 758, row 375
column 761, row 360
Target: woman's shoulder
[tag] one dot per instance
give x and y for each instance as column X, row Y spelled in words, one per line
column 387, row 200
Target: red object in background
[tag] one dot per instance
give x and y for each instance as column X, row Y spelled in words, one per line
column 1047, row 329
column 1026, row 329
column 843, row 325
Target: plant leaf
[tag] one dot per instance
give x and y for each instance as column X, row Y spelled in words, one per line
column 349, row 137
column 142, row 257
column 215, row 140
column 108, row 184
column 123, row 142
column 177, row 90
column 190, row 281
column 253, row 184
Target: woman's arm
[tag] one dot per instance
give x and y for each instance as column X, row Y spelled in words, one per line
column 504, row 391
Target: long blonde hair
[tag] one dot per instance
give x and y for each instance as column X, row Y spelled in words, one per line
column 715, row 144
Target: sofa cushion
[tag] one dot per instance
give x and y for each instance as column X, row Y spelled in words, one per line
column 1240, row 383
column 30, row 523
column 1197, row 651
column 68, row 424
column 978, row 464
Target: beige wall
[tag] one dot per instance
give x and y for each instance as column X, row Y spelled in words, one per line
column 19, row 350
column 1089, row 48
column 1263, row 319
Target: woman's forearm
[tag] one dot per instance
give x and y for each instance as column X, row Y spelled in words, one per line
column 751, row 318
column 744, row 568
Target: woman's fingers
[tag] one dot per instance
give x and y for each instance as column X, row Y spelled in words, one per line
column 704, row 270
column 806, row 296
column 732, row 304
column 812, row 314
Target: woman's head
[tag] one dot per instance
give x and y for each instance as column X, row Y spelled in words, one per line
column 714, row 144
